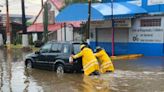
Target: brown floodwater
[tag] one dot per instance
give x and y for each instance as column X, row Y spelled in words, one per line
column 145, row 74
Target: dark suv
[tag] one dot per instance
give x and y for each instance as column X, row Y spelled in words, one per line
column 55, row 56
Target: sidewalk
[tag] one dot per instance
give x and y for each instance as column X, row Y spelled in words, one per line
column 129, row 56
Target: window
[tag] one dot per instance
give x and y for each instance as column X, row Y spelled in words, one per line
column 76, row 48
column 56, row 47
column 150, row 22
column 66, row 48
column 45, row 48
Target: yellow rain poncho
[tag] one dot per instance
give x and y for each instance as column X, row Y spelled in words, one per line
column 106, row 63
column 89, row 61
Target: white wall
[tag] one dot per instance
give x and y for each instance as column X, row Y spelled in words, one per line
column 147, row 34
column 1, row 40
column 52, row 36
column 55, row 9
column 61, row 34
column 162, row 25
column 77, row 35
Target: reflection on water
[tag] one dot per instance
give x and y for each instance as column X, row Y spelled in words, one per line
column 95, row 84
column 138, row 75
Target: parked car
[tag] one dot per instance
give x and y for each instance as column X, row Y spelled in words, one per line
column 55, row 56
column 38, row 43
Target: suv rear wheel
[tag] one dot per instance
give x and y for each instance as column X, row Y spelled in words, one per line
column 60, row 69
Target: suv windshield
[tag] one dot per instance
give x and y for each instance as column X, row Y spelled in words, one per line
column 76, row 48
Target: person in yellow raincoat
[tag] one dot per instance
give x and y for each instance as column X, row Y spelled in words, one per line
column 106, row 63
column 89, row 61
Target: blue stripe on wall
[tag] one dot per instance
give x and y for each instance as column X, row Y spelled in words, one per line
column 162, row 8
column 120, row 48
column 147, row 49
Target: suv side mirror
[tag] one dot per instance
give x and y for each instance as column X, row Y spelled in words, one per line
column 72, row 52
column 37, row 52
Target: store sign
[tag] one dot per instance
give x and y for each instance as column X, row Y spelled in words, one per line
column 136, row 2
column 122, row 23
column 108, row 24
column 146, row 35
column 155, row 2
column 101, row 24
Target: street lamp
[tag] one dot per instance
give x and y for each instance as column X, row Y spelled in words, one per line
column 112, row 27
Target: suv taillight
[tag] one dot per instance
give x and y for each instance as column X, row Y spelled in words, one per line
column 70, row 59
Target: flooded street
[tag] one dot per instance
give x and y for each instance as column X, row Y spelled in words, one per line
column 145, row 74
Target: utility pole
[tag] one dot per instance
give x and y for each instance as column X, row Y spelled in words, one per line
column 1, row 37
column 42, row 3
column 89, row 20
column 112, row 28
column 8, row 40
column 45, row 22
column 25, row 42
column 65, row 32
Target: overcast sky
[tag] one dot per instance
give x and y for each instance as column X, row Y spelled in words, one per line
column 32, row 6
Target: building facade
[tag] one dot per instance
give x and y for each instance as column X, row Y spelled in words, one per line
column 143, row 34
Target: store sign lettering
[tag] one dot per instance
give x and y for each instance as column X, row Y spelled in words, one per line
column 122, row 23
column 155, row 2
column 101, row 24
column 136, row 2
column 108, row 24
column 146, row 35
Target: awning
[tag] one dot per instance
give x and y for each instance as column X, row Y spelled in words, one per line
column 99, row 11
column 38, row 27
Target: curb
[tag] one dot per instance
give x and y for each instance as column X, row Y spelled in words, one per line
column 123, row 57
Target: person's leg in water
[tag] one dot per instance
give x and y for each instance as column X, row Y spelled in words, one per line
column 95, row 73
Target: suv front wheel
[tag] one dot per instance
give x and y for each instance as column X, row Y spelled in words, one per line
column 60, row 69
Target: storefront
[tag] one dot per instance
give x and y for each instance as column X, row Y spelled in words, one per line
column 101, row 29
column 101, row 35
column 147, row 33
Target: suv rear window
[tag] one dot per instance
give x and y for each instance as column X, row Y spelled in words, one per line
column 76, row 48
